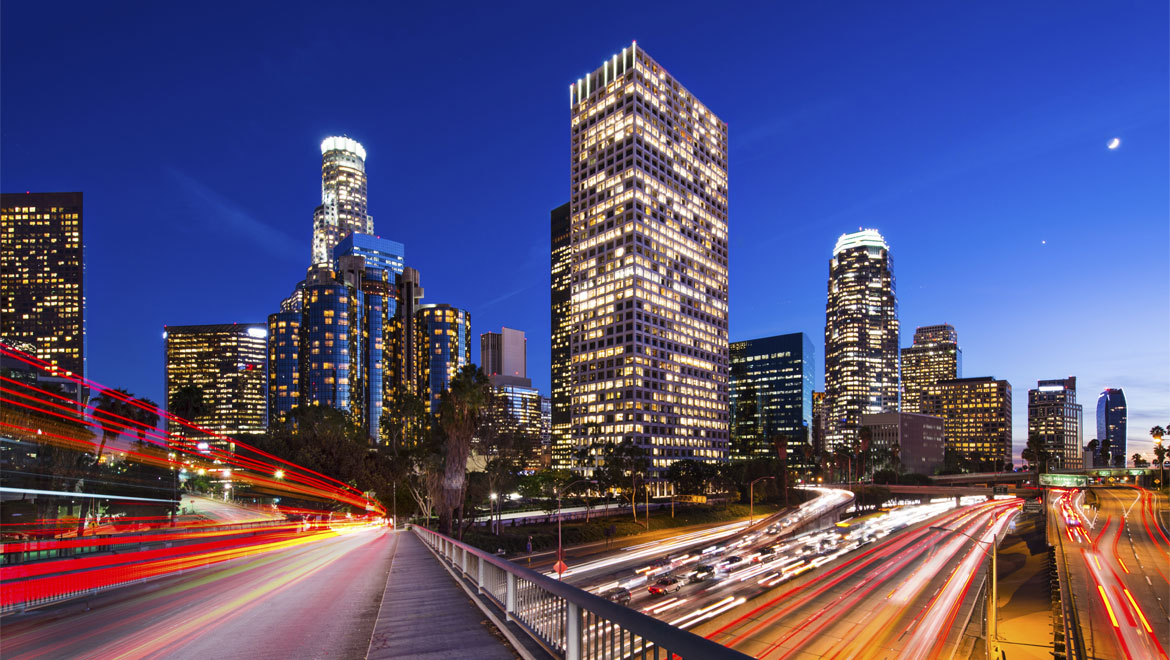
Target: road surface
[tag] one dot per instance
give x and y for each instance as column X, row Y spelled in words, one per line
column 317, row 600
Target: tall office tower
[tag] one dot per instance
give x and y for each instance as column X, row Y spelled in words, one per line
column 228, row 363
column 403, row 364
column 562, row 327
column 378, row 253
column 1055, row 417
column 504, row 353
column 1111, row 414
column 343, row 197
column 295, row 300
column 42, row 276
column 328, row 334
column 545, row 432
column 934, row 356
column 771, row 396
column 444, row 345
column 648, row 214
column 818, row 422
column 977, row 419
column 861, row 335
column 284, row 361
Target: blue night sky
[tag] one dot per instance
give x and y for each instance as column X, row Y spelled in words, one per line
column 972, row 135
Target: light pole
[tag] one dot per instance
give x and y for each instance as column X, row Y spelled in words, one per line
column 560, row 566
column 752, row 500
column 492, row 514
column 992, row 645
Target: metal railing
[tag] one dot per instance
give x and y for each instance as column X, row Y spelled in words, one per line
column 568, row 622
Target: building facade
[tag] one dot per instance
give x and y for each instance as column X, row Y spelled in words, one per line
column 343, row 197
column 977, row 419
column 1111, row 421
column 771, row 395
column 504, row 353
column 1054, row 416
column 861, row 336
column 916, row 440
column 42, row 276
column 934, row 356
column 445, row 346
column 817, row 435
column 284, row 362
column 649, row 277
column 228, row 362
column 561, row 310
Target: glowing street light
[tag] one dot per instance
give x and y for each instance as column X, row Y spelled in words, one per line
column 279, row 474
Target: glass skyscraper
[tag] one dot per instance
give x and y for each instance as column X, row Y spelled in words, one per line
column 1111, row 419
column 649, row 289
column 861, row 336
column 771, row 395
column 42, row 276
column 343, row 197
column 445, row 336
column 228, row 363
column 284, row 351
column 934, row 356
column 562, row 325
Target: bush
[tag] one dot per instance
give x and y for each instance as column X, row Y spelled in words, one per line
column 914, row 479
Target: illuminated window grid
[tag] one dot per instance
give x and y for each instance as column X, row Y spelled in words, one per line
column 977, row 416
column 648, row 221
column 228, row 362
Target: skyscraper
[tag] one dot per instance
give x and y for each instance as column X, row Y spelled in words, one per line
column 861, row 335
column 1055, row 417
column 934, row 356
column 228, row 363
column 818, row 423
column 504, row 354
column 1111, row 414
column 977, row 419
column 343, row 197
column 771, row 395
column 562, row 327
column 445, row 346
column 648, row 218
column 42, row 276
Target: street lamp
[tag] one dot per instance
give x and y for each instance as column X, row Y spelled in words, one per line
column 492, row 514
column 560, row 566
column 752, row 500
column 992, row 609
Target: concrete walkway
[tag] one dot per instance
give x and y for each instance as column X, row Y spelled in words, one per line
column 426, row 614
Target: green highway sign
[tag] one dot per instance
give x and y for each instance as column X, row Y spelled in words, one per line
column 1064, row 480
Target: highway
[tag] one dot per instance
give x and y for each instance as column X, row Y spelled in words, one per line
column 312, row 600
column 1118, row 559
column 905, row 597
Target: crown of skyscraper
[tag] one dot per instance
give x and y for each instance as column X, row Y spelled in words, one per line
column 863, row 238
column 343, row 143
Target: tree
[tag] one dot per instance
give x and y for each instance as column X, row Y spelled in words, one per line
column 111, row 411
column 1106, row 454
column 690, row 477
column 1138, row 461
column 460, row 408
column 1157, row 432
column 1036, row 453
column 188, row 403
column 1160, row 456
column 1091, row 449
column 619, row 465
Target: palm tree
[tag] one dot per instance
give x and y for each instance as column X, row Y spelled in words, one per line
column 1157, row 432
column 1092, row 449
column 188, row 402
column 1137, row 459
column 1160, row 455
column 145, row 413
column 109, row 407
column 460, row 409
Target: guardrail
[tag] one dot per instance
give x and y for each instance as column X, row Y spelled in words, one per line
column 568, row 622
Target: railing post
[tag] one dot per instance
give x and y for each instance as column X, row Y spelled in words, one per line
column 510, row 595
column 479, row 575
column 464, row 561
column 573, row 631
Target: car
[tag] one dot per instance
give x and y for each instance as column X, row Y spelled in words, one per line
column 766, row 553
column 619, row 595
column 666, row 585
column 732, row 560
column 772, row 530
column 702, row 572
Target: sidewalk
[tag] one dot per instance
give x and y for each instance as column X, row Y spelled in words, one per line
column 426, row 614
column 1025, row 611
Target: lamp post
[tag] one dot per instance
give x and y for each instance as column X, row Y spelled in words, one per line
column 752, row 500
column 992, row 645
column 560, row 566
column 492, row 514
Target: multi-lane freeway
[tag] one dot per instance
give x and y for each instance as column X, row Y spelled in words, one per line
column 1118, row 559
column 318, row 599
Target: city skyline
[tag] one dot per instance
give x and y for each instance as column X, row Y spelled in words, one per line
column 230, row 226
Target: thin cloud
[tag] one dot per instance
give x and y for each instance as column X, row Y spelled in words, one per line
column 229, row 218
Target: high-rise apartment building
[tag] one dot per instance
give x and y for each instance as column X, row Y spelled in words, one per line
column 228, row 363
column 404, row 365
column 1054, row 416
column 934, row 356
column 771, row 396
column 562, row 326
column 504, row 355
column 445, row 346
column 861, row 336
column 977, row 419
column 1111, row 420
column 42, row 276
column 343, row 197
column 648, row 223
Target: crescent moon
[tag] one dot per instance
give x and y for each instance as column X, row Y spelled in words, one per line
column 1114, row 143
